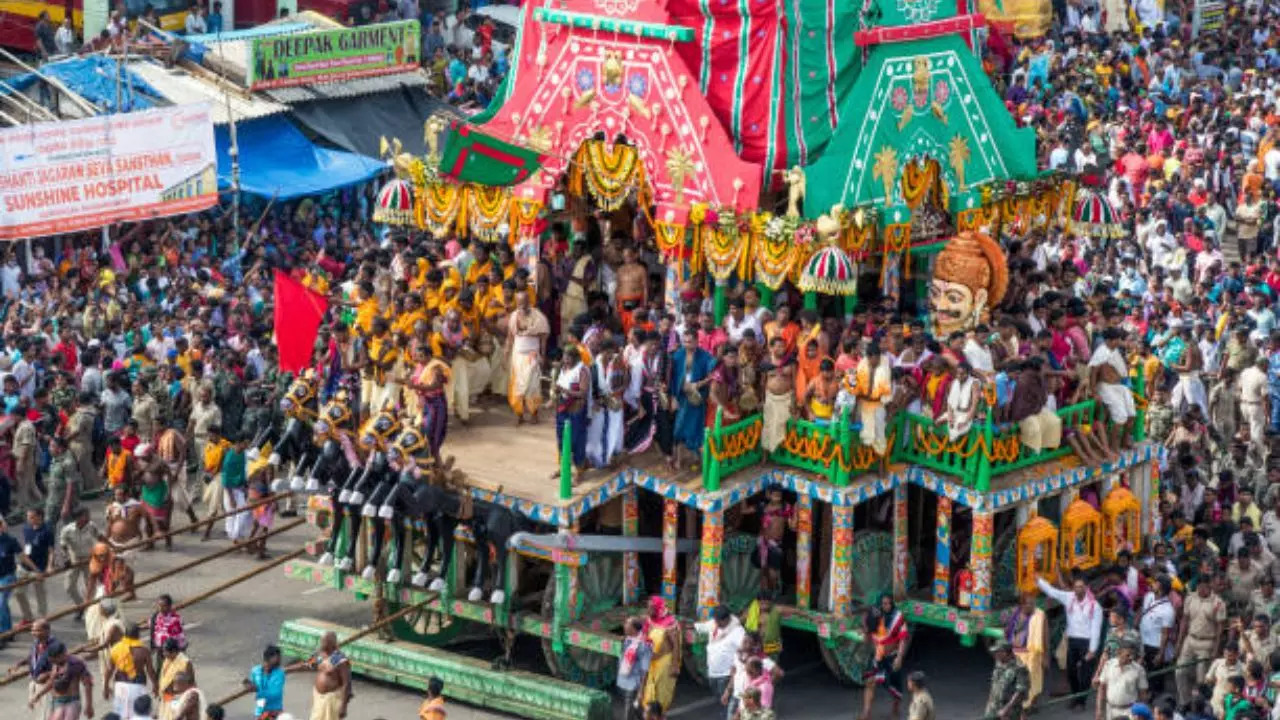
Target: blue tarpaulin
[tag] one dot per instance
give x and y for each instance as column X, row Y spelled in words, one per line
column 276, row 159
column 96, row 79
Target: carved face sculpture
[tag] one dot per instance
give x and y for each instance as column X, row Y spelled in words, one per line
column 969, row 277
column 954, row 307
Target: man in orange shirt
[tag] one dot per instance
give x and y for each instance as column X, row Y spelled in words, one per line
column 433, row 706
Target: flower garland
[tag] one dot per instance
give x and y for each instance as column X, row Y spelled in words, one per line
column 737, row 444
column 487, row 208
column 612, row 173
column 439, row 205
column 724, row 247
column 777, row 247
column 857, row 241
column 669, row 238
column 897, row 239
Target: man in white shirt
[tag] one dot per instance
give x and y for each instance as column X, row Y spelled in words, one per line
column 11, row 276
column 724, row 638
column 1084, row 626
column 738, row 321
column 195, row 24
column 1156, row 628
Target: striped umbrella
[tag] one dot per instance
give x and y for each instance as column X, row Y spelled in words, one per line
column 395, row 203
column 1093, row 215
column 829, row 271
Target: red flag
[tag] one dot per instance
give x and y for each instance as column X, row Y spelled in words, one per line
column 298, row 312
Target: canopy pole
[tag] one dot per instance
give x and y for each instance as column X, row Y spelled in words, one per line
column 84, row 104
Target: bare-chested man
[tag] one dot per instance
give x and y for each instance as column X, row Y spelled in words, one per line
column 125, row 518
column 779, row 393
column 633, row 285
column 69, row 683
column 1190, row 388
column 333, row 681
column 776, row 517
column 820, row 395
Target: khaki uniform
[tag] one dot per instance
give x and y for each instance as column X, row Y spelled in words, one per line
column 203, row 417
column 1257, row 647
column 1243, row 583
column 1123, row 686
column 921, row 707
column 77, row 544
column 25, row 450
column 62, row 473
column 80, row 446
column 147, row 414
column 1204, row 618
column 1220, row 671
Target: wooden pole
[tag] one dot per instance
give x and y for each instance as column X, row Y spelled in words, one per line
column 368, row 630
column 235, row 547
column 147, row 541
column 92, row 647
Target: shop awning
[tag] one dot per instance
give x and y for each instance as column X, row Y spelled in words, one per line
column 469, row 155
column 358, row 124
column 277, row 160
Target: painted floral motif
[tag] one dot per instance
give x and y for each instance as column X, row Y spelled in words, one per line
column 586, row 79
column 941, row 92
column 899, row 98
column 638, row 84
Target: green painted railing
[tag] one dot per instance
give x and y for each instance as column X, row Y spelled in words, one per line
column 835, row 452
column 727, row 449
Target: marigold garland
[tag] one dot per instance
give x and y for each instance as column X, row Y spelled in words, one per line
column 918, row 178
column 824, row 450
column 487, row 208
column 775, row 249
column 611, row 173
column 440, row 205
column 669, row 238
column 723, row 247
column 738, row 443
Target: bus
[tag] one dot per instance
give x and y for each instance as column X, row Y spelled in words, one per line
column 18, row 17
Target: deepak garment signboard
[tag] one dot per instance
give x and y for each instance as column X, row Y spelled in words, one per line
column 70, row 176
column 333, row 55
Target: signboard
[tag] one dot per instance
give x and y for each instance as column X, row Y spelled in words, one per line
column 333, row 55
column 1207, row 16
column 70, row 176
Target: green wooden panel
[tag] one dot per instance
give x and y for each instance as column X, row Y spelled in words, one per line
column 466, row 680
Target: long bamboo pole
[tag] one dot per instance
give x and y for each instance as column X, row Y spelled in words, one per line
column 147, row 541
column 372, row 628
column 235, row 547
column 92, row 647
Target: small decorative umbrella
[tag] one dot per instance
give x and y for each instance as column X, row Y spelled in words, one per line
column 1093, row 215
column 829, row 271
column 395, row 203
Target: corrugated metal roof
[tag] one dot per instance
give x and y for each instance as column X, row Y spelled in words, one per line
column 181, row 88
column 348, row 88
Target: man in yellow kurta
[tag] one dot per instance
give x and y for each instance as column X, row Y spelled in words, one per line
column 873, row 387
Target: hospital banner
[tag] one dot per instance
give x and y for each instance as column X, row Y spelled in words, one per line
column 333, row 55
column 77, row 175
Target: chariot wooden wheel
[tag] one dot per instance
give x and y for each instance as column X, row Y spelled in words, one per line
column 423, row 626
column 599, row 589
column 870, row 575
column 739, row 585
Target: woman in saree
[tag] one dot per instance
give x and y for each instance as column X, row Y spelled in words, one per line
column 886, row 630
column 726, row 387
column 527, row 331
column 1028, row 632
column 429, row 379
column 662, row 630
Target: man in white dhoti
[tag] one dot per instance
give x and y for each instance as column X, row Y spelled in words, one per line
column 609, row 382
column 1107, row 371
column 873, row 386
column 1190, row 388
column 779, row 394
column 527, row 331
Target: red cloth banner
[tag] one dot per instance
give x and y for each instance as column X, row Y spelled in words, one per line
column 298, row 312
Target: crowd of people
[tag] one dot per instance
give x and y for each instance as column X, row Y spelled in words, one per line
column 146, row 366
